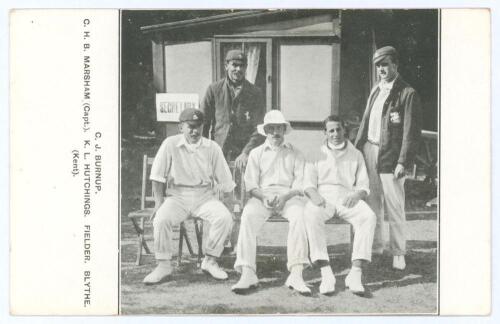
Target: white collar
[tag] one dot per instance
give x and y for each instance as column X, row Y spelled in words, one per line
column 202, row 142
column 383, row 85
column 327, row 148
column 331, row 147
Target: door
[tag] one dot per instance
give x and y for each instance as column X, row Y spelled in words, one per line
column 258, row 51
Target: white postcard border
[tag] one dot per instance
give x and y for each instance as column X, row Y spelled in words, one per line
column 460, row 119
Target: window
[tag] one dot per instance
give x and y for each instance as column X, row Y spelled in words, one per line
column 188, row 67
column 306, row 81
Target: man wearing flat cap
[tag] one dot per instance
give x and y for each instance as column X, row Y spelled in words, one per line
column 388, row 136
column 233, row 108
column 190, row 166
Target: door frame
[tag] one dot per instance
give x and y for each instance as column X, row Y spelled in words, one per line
column 269, row 73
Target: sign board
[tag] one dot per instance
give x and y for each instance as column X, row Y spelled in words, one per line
column 170, row 105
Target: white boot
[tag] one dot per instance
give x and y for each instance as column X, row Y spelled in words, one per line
column 162, row 270
column 296, row 282
column 353, row 281
column 327, row 285
column 398, row 262
column 248, row 280
column 210, row 266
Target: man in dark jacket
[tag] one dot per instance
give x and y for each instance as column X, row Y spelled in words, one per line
column 388, row 137
column 233, row 108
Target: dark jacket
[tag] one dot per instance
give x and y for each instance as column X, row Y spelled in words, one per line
column 398, row 141
column 236, row 118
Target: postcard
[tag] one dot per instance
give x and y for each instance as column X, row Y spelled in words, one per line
column 250, row 162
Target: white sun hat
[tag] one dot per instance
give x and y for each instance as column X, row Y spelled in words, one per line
column 274, row 117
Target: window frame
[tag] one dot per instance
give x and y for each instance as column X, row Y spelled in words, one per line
column 335, row 69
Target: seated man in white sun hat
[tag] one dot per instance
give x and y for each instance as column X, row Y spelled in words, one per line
column 191, row 165
column 273, row 177
column 336, row 183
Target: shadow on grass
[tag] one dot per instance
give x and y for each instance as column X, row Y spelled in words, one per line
column 272, row 271
column 421, row 267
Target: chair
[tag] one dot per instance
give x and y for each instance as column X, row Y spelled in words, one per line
column 239, row 197
column 138, row 218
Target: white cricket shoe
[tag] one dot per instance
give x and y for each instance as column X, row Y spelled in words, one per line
column 353, row 282
column 327, row 285
column 247, row 281
column 298, row 284
column 398, row 262
column 212, row 268
column 160, row 273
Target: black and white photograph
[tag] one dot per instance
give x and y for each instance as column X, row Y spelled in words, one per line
column 280, row 161
column 228, row 162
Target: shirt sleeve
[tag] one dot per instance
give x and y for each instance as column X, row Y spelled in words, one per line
column 161, row 164
column 222, row 172
column 310, row 175
column 362, row 181
column 298, row 172
column 252, row 172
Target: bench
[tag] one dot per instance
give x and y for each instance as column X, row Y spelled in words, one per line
column 276, row 218
column 138, row 217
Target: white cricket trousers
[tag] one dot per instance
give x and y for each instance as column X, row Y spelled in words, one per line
column 387, row 194
column 253, row 218
column 196, row 202
column 360, row 216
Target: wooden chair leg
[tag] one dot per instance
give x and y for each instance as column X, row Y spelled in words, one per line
column 188, row 243
column 139, row 250
column 140, row 239
column 198, row 226
column 143, row 240
column 182, row 231
column 145, row 245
